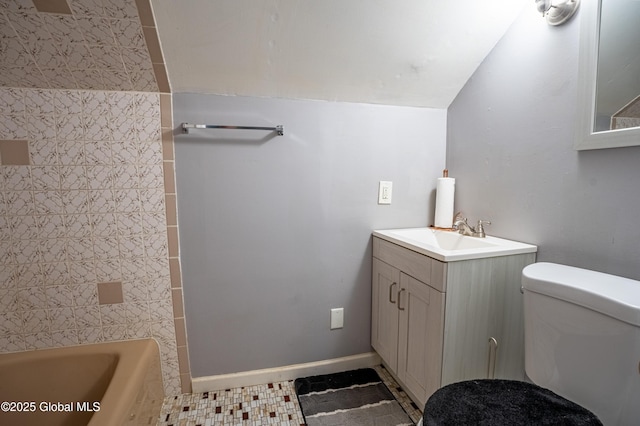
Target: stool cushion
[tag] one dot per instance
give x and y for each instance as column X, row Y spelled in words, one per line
column 502, row 402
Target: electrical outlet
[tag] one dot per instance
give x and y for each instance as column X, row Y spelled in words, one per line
column 337, row 318
column 384, row 192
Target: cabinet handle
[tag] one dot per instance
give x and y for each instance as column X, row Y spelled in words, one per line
column 491, row 364
column 399, row 298
column 391, row 292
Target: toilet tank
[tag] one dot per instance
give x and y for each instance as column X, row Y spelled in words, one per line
column 582, row 338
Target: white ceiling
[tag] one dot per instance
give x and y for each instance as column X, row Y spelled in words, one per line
column 407, row 52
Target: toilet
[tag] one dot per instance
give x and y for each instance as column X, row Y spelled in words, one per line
column 582, row 348
column 582, row 338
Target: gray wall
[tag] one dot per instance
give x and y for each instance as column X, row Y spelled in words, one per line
column 275, row 231
column 509, row 143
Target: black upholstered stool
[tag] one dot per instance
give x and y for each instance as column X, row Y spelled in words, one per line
column 502, row 402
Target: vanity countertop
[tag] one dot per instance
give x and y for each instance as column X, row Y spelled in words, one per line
column 450, row 246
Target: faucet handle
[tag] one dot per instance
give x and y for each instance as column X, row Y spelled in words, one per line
column 483, row 222
column 480, row 227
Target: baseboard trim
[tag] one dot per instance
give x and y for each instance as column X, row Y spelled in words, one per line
column 287, row 372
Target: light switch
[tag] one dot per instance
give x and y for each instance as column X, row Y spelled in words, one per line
column 337, row 318
column 384, row 192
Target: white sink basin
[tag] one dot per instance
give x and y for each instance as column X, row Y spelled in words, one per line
column 449, row 246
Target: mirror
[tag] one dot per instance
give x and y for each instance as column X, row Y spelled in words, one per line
column 609, row 75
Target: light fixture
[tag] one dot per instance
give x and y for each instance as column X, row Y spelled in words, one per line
column 557, row 12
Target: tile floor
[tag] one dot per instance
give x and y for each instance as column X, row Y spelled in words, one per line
column 270, row 404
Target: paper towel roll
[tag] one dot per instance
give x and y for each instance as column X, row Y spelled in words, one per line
column 445, row 190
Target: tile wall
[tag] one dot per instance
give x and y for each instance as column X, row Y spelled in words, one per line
column 88, row 226
column 81, row 44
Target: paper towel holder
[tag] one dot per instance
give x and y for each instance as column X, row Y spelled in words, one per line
column 445, row 188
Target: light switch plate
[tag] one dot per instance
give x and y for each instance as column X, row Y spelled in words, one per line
column 384, row 192
column 337, row 318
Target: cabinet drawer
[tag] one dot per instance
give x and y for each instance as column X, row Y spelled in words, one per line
column 420, row 267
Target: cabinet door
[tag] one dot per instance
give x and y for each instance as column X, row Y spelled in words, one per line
column 469, row 320
column 510, row 352
column 384, row 312
column 484, row 324
column 421, row 335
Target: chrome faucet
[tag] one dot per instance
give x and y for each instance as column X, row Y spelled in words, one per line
column 463, row 227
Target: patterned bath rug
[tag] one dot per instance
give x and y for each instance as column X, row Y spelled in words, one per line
column 351, row 398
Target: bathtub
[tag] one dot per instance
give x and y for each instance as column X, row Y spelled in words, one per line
column 97, row 385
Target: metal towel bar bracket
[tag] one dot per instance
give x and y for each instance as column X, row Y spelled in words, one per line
column 186, row 126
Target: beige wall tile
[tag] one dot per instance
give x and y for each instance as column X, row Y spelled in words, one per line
column 153, row 44
column 145, row 13
column 178, row 308
column 186, row 382
column 174, row 270
column 110, row 293
column 172, row 236
column 108, row 275
column 83, row 29
column 161, row 78
column 169, row 177
column 167, row 144
column 183, row 359
column 181, row 332
column 14, row 152
column 170, row 203
column 166, row 118
column 52, row 6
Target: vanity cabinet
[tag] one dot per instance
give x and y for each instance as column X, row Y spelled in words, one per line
column 435, row 323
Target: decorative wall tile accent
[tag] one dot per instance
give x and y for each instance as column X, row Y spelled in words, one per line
column 110, row 293
column 14, row 152
column 52, row 6
column 84, row 248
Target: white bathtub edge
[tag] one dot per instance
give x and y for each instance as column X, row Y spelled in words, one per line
column 287, row 372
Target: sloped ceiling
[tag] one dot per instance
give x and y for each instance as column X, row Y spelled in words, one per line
column 409, row 52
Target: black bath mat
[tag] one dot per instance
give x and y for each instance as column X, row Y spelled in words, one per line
column 504, row 403
column 351, row 398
